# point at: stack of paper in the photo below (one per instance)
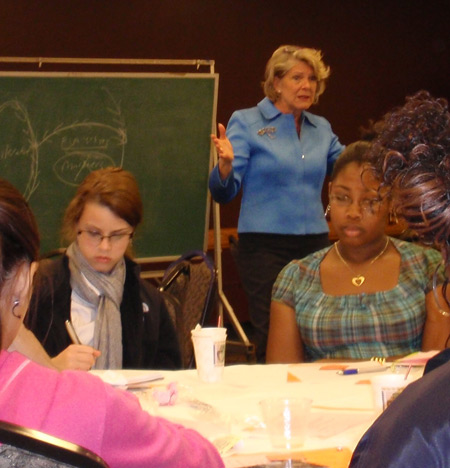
(420, 358)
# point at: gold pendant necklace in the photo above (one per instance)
(359, 279)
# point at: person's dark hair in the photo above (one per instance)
(356, 152)
(19, 236)
(412, 153)
(112, 187)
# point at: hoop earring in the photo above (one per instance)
(393, 217)
(327, 212)
(15, 304)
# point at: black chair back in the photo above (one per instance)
(190, 290)
(25, 447)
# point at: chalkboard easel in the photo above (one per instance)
(55, 127)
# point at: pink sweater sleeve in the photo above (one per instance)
(80, 408)
(133, 438)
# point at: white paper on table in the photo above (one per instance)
(324, 425)
(119, 379)
(327, 373)
(419, 358)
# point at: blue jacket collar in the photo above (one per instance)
(270, 111)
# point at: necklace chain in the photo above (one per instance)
(359, 279)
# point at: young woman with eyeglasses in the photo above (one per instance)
(121, 321)
(365, 296)
(75, 406)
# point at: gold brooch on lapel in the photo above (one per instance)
(269, 131)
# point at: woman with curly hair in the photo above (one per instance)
(335, 303)
(412, 152)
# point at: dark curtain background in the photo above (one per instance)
(379, 50)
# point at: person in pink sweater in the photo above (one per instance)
(74, 405)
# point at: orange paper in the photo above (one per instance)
(335, 367)
(363, 382)
(336, 457)
(292, 378)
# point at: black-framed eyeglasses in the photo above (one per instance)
(95, 238)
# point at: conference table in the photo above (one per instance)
(228, 413)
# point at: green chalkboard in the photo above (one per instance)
(57, 127)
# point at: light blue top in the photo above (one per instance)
(281, 174)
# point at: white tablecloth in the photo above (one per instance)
(342, 407)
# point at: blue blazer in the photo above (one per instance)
(281, 174)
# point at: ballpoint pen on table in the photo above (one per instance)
(72, 333)
(362, 370)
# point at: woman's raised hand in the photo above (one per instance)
(224, 150)
(76, 357)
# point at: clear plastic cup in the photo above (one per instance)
(286, 420)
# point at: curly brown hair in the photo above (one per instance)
(412, 154)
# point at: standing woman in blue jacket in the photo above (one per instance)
(280, 154)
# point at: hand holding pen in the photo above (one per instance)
(76, 356)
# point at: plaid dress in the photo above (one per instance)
(385, 323)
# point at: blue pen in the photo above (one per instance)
(362, 370)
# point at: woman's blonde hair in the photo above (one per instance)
(284, 58)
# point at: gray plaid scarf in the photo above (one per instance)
(108, 326)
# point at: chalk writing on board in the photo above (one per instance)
(56, 127)
(79, 147)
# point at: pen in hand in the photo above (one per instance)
(72, 333)
(362, 370)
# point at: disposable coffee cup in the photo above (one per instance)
(209, 350)
(385, 388)
(286, 421)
